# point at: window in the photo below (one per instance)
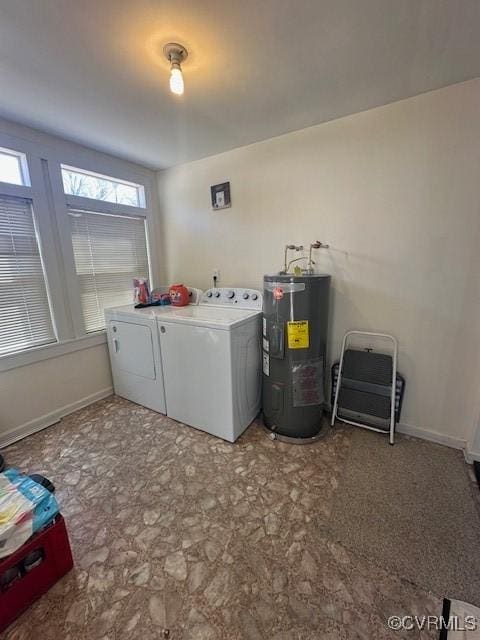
(109, 251)
(13, 167)
(25, 319)
(71, 241)
(77, 182)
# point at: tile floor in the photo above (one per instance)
(178, 534)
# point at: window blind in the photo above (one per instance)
(25, 318)
(109, 252)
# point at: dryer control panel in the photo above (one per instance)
(233, 297)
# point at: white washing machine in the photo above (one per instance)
(134, 348)
(211, 359)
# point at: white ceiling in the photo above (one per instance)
(92, 70)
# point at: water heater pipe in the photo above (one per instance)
(315, 245)
(290, 247)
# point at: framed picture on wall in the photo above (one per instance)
(221, 196)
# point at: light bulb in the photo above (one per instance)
(176, 80)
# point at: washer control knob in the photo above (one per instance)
(230, 294)
(254, 296)
(209, 294)
(245, 296)
(217, 294)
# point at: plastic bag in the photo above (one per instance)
(25, 507)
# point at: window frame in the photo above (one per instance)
(62, 208)
(37, 195)
(95, 174)
(44, 156)
(24, 171)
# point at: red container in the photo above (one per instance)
(179, 295)
(30, 585)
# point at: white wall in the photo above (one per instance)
(37, 395)
(395, 191)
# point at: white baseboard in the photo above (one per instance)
(26, 429)
(471, 455)
(427, 434)
(432, 436)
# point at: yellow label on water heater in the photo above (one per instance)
(298, 335)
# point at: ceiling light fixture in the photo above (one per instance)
(175, 54)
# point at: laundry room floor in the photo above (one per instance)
(178, 534)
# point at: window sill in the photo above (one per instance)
(45, 352)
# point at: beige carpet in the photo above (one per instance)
(411, 508)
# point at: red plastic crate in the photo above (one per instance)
(23, 591)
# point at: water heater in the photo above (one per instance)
(295, 321)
